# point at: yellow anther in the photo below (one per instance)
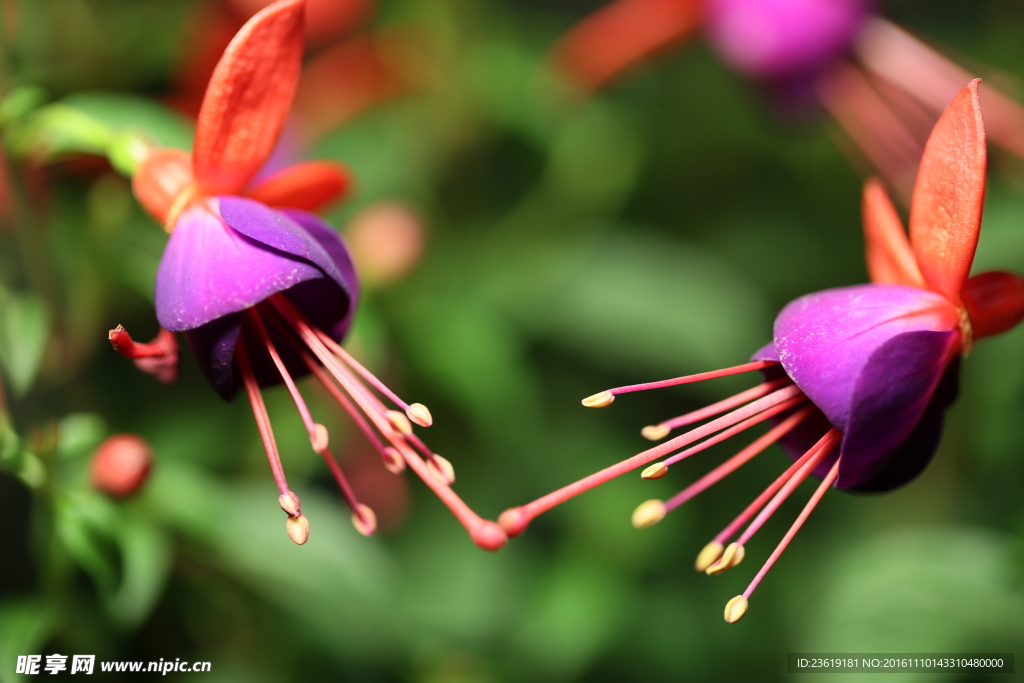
(393, 460)
(708, 555)
(399, 421)
(648, 513)
(298, 529)
(442, 469)
(319, 438)
(600, 400)
(735, 609)
(364, 520)
(732, 556)
(655, 432)
(420, 415)
(655, 471)
(289, 502)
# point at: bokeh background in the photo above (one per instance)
(548, 246)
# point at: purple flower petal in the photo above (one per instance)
(278, 230)
(824, 339)
(911, 457)
(890, 395)
(335, 247)
(782, 38)
(210, 270)
(213, 346)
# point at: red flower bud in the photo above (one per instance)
(121, 465)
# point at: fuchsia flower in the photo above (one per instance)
(262, 289)
(883, 86)
(857, 379)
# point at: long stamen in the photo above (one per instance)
(515, 520)
(766, 495)
(317, 432)
(417, 412)
(259, 410)
(660, 430)
(392, 460)
(650, 512)
(363, 517)
(297, 525)
(606, 397)
(736, 429)
(737, 607)
(782, 488)
(438, 465)
(738, 460)
(789, 487)
(484, 533)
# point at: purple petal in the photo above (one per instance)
(230, 254)
(776, 39)
(766, 352)
(891, 394)
(824, 339)
(911, 457)
(210, 270)
(278, 230)
(335, 247)
(213, 346)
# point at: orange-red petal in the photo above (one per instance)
(620, 35)
(889, 256)
(945, 213)
(163, 177)
(310, 186)
(248, 98)
(994, 301)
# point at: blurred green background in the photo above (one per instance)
(572, 244)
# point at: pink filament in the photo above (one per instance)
(726, 404)
(758, 503)
(700, 377)
(804, 514)
(529, 511)
(738, 460)
(345, 356)
(259, 410)
(736, 429)
(300, 404)
(485, 533)
(820, 450)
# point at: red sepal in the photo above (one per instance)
(994, 301)
(310, 185)
(889, 256)
(248, 99)
(945, 212)
(163, 177)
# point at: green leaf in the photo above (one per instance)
(942, 589)
(145, 565)
(85, 522)
(123, 113)
(24, 328)
(25, 625)
(80, 433)
(657, 305)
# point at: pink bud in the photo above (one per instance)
(120, 465)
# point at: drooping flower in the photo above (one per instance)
(883, 86)
(263, 289)
(856, 379)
